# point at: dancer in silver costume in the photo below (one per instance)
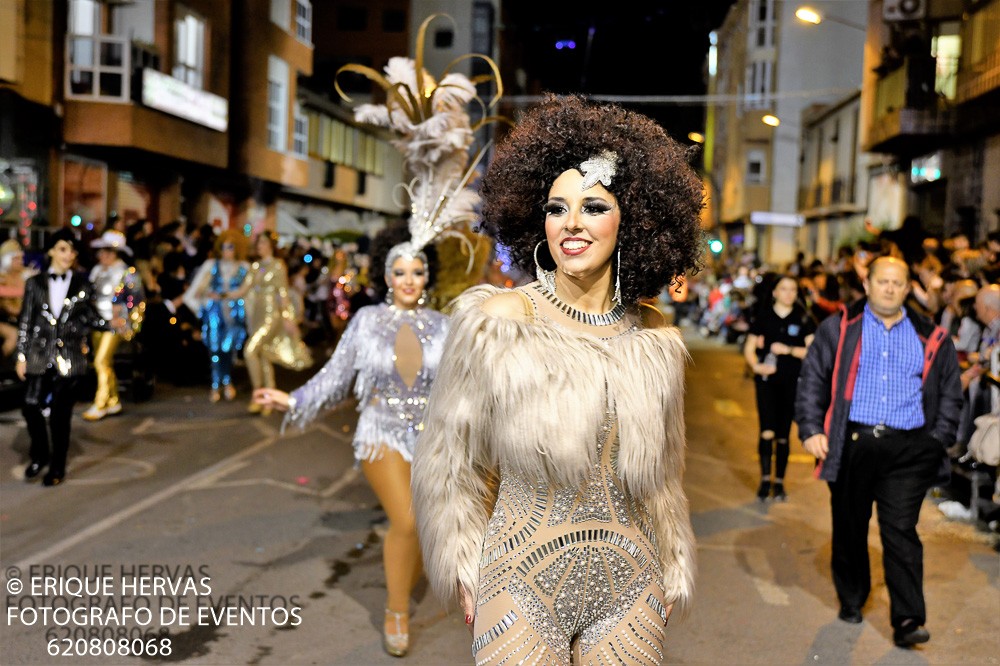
(394, 349)
(390, 354)
(570, 392)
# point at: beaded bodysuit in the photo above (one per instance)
(570, 573)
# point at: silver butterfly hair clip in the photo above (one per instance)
(600, 168)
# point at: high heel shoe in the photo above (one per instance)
(229, 391)
(214, 396)
(396, 644)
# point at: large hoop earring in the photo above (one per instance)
(546, 278)
(388, 296)
(617, 298)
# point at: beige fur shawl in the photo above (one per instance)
(532, 396)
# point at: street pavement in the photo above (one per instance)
(283, 527)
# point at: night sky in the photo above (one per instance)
(638, 48)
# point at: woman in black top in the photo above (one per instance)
(776, 343)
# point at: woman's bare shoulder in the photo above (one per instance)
(507, 305)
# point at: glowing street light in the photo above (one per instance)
(771, 120)
(697, 137)
(808, 15)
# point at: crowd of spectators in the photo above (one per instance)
(953, 282)
(328, 280)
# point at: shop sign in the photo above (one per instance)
(777, 219)
(173, 96)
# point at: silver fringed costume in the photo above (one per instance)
(391, 411)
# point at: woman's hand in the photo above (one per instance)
(273, 398)
(468, 606)
(764, 370)
(291, 328)
(780, 348)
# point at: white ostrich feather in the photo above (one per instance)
(435, 148)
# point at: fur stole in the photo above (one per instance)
(531, 397)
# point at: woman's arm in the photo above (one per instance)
(750, 356)
(450, 494)
(244, 287)
(333, 382)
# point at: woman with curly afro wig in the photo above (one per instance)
(570, 393)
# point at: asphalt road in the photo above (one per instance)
(284, 532)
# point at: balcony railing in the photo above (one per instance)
(828, 197)
(98, 68)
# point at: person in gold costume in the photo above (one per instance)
(119, 297)
(271, 323)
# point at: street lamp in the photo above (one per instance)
(771, 120)
(812, 16)
(697, 137)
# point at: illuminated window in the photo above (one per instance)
(277, 103)
(303, 21)
(189, 48)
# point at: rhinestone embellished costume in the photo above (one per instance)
(587, 541)
(392, 410)
(565, 564)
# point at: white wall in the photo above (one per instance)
(820, 57)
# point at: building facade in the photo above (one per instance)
(769, 68)
(932, 107)
(833, 178)
(172, 110)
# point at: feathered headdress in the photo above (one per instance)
(434, 133)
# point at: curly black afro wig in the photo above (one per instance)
(659, 194)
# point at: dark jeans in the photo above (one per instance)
(776, 403)
(58, 393)
(895, 471)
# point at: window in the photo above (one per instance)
(300, 132)
(762, 23)
(84, 15)
(352, 19)
(946, 47)
(755, 167)
(277, 103)
(303, 21)
(98, 64)
(443, 39)
(281, 11)
(189, 48)
(758, 84)
(393, 20)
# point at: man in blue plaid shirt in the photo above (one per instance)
(878, 401)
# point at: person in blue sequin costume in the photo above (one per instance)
(216, 293)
